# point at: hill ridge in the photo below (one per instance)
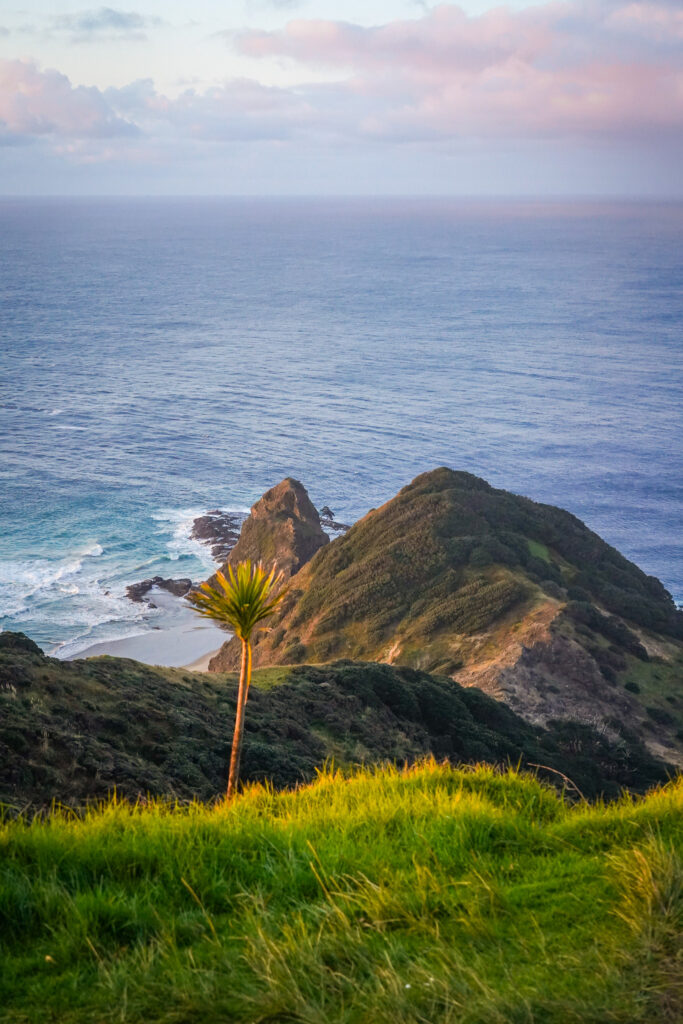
(452, 575)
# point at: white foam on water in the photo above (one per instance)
(68, 595)
(94, 615)
(333, 532)
(21, 580)
(179, 523)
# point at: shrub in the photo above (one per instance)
(660, 715)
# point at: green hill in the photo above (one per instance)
(518, 598)
(428, 896)
(70, 731)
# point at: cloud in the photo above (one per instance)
(239, 110)
(591, 71)
(45, 103)
(103, 23)
(586, 69)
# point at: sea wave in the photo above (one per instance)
(24, 582)
(179, 523)
(65, 649)
(21, 579)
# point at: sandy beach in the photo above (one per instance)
(184, 641)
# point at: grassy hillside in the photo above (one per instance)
(456, 577)
(452, 552)
(430, 895)
(70, 731)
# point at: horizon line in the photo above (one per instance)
(461, 196)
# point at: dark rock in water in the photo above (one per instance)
(328, 522)
(331, 524)
(219, 530)
(138, 591)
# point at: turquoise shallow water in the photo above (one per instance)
(159, 358)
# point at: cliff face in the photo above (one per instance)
(283, 528)
(517, 598)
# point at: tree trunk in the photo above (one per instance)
(243, 692)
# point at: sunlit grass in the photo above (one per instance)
(426, 895)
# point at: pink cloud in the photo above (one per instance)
(583, 70)
(38, 103)
(650, 20)
(35, 102)
(442, 39)
(561, 69)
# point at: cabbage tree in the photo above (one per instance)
(246, 596)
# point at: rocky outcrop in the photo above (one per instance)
(138, 591)
(282, 529)
(219, 531)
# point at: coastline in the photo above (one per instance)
(168, 648)
(188, 641)
(202, 664)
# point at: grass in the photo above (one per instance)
(429, 895)
(539, 550)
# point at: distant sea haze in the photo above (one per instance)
(159, 358)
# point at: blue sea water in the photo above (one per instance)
(159, 358)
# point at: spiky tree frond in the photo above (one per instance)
(247, 596)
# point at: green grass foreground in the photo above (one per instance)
(426, 895)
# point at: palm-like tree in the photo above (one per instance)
(247, 596)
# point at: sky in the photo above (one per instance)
(280, 97)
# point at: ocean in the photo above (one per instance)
(163, 357)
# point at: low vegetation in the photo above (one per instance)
(73, 731)
(431, 894)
